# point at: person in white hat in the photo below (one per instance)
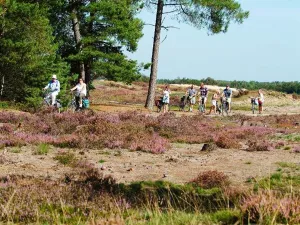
(54, 87)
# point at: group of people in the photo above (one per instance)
(53, 87)
(202, 95)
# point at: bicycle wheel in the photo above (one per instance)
(187, 107)
(159, 106)
(72, 106)
(224, 108)
(201, 108)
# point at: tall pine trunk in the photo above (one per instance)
(77, 34)
(155, 52)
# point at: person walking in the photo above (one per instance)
(227, 93)
(214, 99)
(261, 100)
(166, 99)
(54, 88)
(203, 93)
(191, 97)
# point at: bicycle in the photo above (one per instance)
(47, 101)
(224, 106)
(218, 107)
(159, 104)
(201, 107)
(183, 102)
(188, 104)
(74, 105)
(254, 103)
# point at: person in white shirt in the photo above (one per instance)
(261, 100)
(54, 87)
(80, 92)
(166, 99)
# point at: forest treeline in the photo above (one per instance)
(286, 87)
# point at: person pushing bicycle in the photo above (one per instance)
(227, 93)
(54, 87)
(191, 97)
(203, 93)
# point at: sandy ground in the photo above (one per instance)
(180, 164)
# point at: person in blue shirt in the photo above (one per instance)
(54, 88)
(191, 96)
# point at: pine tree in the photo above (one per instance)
(27, 52)
(94, 34)
(213, 15)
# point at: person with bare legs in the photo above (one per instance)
(191, 97)
(214, 99)
(80, 93)
(260, 101)
(203, 93)
(227, 93)
(54, 87)
(166, 99)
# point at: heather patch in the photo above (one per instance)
(211, 179)
(135, 131)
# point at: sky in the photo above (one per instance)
(266, 47)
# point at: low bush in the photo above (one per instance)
(260, 146)
(42, 149)
(65, 158)
(211, 179)
(131, 130)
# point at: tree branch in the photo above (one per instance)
(171, 11)
(164, 27)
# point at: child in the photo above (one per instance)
(260, 101)
(166, 99)
(214, 99)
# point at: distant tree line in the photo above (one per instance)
(287, 87)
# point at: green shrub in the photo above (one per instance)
(226, 216)
(65, 158)
(42, 149)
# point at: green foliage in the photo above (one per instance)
(4, 105)
(65, 158)
(15, 150)
(280, 181)
(42, 149)
(213, 15)
(27, 53)
(287, 87)
(107, 28)
(226, 216)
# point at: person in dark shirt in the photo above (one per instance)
(203, 93)
(227, 93)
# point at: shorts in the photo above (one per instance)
(205, 99)
(229, 100)
(260, 103)
(192, 100)
(214, 102)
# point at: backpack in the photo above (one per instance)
(85, 103)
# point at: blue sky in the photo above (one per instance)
(266, 47)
